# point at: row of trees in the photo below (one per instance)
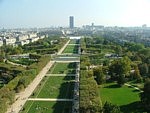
(89, 91)
(89, 94)
(145, 96)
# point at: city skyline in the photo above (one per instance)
(48, 13)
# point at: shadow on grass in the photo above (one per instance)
(75, 50)
(62, 107)
(134, 107)
(65, 92)
(136, 90)
(113, 86)
(71, 65)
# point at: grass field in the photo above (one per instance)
(125, 97)
(47, 107)
(63, 68)
(71, 49)
(74, 41)
(55, 87)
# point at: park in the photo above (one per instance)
(55, 92)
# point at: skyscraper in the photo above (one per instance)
(71, 22)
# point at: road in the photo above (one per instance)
(22, 97)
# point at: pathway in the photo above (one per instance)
(49, 99)
(71, 61)
(133, 87)
(61, 75)
(63, 48)
(15, 64)
(74, 44)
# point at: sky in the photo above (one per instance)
(54, 13)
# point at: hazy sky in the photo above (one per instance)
(46, 13)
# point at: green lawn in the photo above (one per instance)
(47, 107)
(55, 87)
(125, 97)
(71, 49)
(63, 68)
(74, 41)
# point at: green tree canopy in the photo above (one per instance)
(145, 96)
(98, 75)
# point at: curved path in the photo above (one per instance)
(133, 87)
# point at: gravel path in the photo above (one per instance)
(133, 87)
(71, 61)
(49, 99)
(63, 75)
(22, 97)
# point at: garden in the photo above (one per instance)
(63, 68)
(55, 87)
(71, 49)
(74, 41)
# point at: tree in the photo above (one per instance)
(110, 108)
(98, 75)
(136, 57)
(143, 69)
(145, 96)
(17, 50)
(137, 75)
(120, 67)
(90, 73)
(2, 54)
(145, 51)
(118, 50)
(136, 47)
(121, 80)
(34, 56)
(1, 58)
(106, 62)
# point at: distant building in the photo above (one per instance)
(22, 37)
(41, 37)
(71, 22)
(22, 42)
(34, 39)
(1, 42)
(10, 41)
(144, 25)
(32, 35)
